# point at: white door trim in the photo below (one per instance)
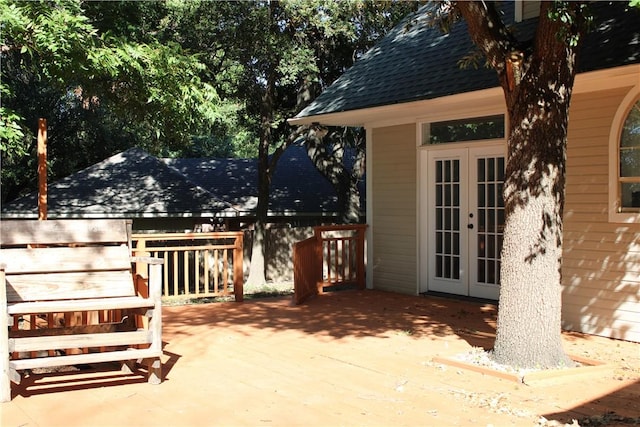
(425, 236)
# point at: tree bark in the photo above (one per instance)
(257, 275)
(537, 86)
(328, 156)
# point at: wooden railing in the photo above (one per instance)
(333, 257)
(196, 265)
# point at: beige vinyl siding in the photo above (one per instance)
(601, 260)
(530, 9)
(394, 209)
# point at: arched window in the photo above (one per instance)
(624, 185)
(629, 161)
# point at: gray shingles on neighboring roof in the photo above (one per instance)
(135, 184)
(296, 186)
(417, 62)
(129, 184)
(231, 180)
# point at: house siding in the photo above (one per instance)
(530, 9)
(393, 218)
(601, 272)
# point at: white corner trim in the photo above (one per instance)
(518, 10)
(369, 203)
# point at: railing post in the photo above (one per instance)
(5, 383)
(238, 270)
(360, 258)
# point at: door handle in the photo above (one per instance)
(470, 226)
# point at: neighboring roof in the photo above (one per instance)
(417, 62)
(131, 184)
(232, 180)
(296, 187)
(135, 184)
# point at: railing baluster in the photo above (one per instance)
(185, 272)
(205, 248)
(225, 271)
(196, 267)
(207, 270)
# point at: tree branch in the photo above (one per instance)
(488, 31)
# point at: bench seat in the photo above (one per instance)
(71, 293)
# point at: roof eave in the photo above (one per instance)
(420, 110)
(403, 112)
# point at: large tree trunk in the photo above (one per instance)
(537, 86)
(257, 270)
(529, 322)
(257, 276)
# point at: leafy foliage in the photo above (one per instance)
(101, 89)
(177, 78)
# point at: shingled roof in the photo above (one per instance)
(296, 186)
(135, 184)
(131, 184)
(417, 62)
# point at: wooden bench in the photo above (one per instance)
(73, 283)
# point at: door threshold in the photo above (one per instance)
(459, 297)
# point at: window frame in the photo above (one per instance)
(425, 129)
(616, 215)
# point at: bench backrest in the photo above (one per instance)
(66, 259)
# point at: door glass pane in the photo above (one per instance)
(456, 220)
(490, 218)
(447, 215)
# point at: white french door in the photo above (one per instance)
(464, 212)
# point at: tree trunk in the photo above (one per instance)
(537, 84)
(257, 276)
(538, 100)
(529, 321)
(257, 266)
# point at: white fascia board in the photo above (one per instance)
(468, 104)
(463, 105)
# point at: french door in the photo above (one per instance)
(465, 220)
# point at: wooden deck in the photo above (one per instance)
(341, 359)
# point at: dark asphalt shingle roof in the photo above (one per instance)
(296, 185)
(136, 184)
(129, 184)
(416, 62)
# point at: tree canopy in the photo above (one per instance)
(104, 80)
(177, 78)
